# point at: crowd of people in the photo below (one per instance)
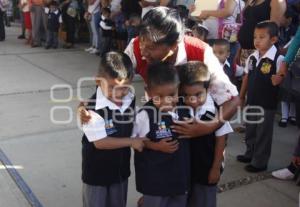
(248, 46)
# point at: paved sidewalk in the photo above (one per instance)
(48, 156)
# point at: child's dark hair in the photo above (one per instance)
(194, 72)
(53, 3)
(272, 27)
(161, 73)
(222, 42)
(201, 30)
(116, 65)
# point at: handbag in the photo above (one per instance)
(229, 31)
(291, 82)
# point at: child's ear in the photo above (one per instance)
(274, 40)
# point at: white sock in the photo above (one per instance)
(284, 110)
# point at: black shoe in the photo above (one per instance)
(292, 121)
(282, 123)
(47, 47)
(243, 159)
(252, 169)
(20, 37)
(1, 40)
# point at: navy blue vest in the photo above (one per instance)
(106, 167)
(158, 173)
(53, 21)
(261, 92)
(202, 154)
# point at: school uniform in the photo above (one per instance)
(54, 20)
(106, 26)
(162, 178)
(105, 172)
(261, 93)
(202, 193)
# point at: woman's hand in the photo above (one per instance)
(204, 15)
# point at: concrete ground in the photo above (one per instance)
(47, 156)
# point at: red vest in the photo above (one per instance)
(194, 50)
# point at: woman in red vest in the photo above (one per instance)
(162, 39)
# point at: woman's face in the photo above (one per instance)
(155, 52)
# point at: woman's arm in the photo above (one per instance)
(278, 8)
(220, 13)
(293, 48)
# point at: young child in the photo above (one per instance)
(206, 151)
(162, 169)
(132, 26)
(261, 68)
(106, 25)
(54, 21)
(106, 143)
(221, 49)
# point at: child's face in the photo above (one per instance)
(53, 8)
(194, 95)
(165, 97)
(114, 89)
(221, 52)
(262, 40)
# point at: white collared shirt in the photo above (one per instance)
(270, 54)
(102, 101)
(95, 129)
(209, 106)
(221, 89)
(226, 64)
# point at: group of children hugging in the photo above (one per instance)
(172, 170)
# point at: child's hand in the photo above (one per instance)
(138, 144)
(167, 145)
(277, 79)
(214, 175)
(83, 113)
